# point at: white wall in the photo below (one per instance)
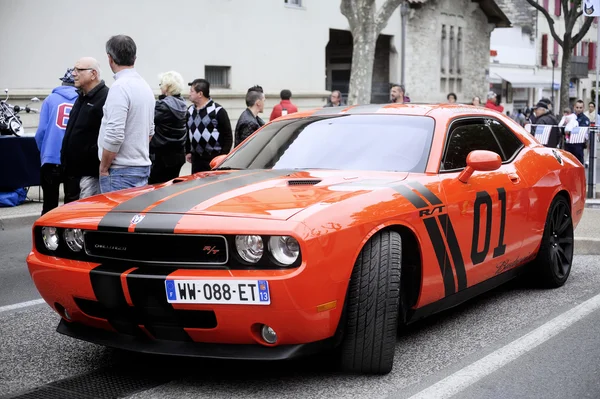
(265, 42)
(513, 46)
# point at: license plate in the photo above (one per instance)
(235, 292)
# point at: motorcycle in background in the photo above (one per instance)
(10, 122)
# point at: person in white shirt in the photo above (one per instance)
(128, 121)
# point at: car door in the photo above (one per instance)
(487, 215)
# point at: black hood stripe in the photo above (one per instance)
(183, 203)
(119, 219)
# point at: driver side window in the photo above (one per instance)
(466, 137)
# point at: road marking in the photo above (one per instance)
(21, 305)
(472, 373)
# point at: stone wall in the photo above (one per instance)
(424, 51)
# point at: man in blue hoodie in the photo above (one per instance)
(54, 116)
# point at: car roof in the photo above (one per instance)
(425, 109)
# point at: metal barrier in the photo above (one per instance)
(555, 137)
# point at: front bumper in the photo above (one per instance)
(192, 349)
(127, 308)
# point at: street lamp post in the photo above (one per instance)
(553, 60)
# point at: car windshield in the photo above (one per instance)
(346, 142)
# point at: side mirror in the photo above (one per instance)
(216, 161)
(481, 160)
(35, 100)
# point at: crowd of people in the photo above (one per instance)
(95, 139)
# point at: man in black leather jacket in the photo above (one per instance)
(167, 147)
(249, 121)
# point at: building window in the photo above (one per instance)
(218, 76)
(459, 52)
(293, 3)
(443, 58)
(452, 50)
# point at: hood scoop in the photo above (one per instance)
(304, 182)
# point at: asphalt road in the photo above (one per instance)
(33, 354)
(15, 283)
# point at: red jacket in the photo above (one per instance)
(492, 105)
(287, 104)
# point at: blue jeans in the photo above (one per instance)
(122, 178)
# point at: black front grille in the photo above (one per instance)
(157, 248)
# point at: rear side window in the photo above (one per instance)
(478, 134)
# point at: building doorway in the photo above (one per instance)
(338, 64)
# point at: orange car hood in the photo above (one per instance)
(276, 195)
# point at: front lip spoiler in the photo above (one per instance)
(191, 349)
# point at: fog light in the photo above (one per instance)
(268, 334)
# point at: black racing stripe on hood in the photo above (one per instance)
(106, 283)
(149, 296)
(119, 220)
(184, 202)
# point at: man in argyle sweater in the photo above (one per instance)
(209, 128)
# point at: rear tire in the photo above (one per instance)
(552, 265)
(373, 304)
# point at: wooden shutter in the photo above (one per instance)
(544, 50)
(546, 5)
(591, 55)
(557, 8)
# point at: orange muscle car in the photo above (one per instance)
(323, 231)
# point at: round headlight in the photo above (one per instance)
(15, 125)
(50, 237)
(285, 249)
(250, 248)
(74, 239)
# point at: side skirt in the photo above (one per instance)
(464, 295)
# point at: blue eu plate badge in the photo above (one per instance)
(263, 290)
(170, 284)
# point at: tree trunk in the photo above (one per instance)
(363, 55)
(565, 75)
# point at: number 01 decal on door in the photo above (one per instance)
(483, 198)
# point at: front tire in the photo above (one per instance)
(552, 266)
(372, 306)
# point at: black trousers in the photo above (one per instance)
(51, 177)
(165, 166)
(577, 150)
(199, 164)
(72, 189)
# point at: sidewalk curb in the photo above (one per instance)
(18, 221)
(587, 246)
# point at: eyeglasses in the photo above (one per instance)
(82, 69)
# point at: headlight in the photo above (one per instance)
(15, 125)
(50, 236)
(74, 239)
(285, 249)
(250, 248)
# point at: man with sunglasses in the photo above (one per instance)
(79, 154)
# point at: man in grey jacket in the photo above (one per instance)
(128, 121)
